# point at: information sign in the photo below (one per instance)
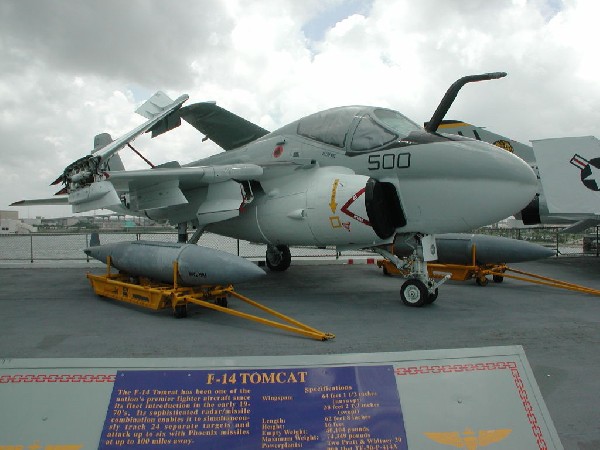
(300, 408)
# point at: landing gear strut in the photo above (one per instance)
(419, 289)
(278, 257)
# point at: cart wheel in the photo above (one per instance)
(222, 301)
(498, 278)
(481, 281)
(180, 311)
(432, 297)
(385, 271)
(414, 293)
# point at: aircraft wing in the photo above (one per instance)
(186, 177)
(158, 188)
(160, 112)
(226, 129)
(164, 187)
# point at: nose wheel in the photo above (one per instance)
(415, 292)
(419, 290)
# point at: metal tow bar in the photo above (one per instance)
(545, 281)
(294, 327)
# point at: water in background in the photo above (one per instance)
(69, 246)
(50, 246)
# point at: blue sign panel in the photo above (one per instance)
(332, 408)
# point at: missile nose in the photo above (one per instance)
(246, 271)
(541, 252)
(197, 263)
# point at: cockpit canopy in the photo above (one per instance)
(357, 129)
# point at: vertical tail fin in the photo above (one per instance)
(570, 174)
(114, 163)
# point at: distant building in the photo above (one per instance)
(14, 215)
(10, 224)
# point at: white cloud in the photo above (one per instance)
(75, 69)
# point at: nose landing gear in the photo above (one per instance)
(419, 289)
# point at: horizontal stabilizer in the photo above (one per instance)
(43, 201)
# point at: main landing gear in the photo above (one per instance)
(419, 289)
(278, 257)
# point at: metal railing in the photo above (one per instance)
(586, 243)
(69, 246)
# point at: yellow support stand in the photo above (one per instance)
(148, 294)
(459, 272)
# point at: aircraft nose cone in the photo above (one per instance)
(517, 170)
(521, 181)
(466, 185)
(506, 182)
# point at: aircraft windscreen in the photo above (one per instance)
(329, 126)
(396, 122)
(370, 135)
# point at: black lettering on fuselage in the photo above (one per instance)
(389, 161)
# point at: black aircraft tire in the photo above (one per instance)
(279, 261)
(498, 278)
(414, 293)
(432, 297)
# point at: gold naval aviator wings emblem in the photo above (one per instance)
(468, 439)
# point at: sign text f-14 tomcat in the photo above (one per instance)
(353, 177)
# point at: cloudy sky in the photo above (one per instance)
(71, 69)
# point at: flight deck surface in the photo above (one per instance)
(53, 313)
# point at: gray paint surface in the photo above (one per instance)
(53, 313)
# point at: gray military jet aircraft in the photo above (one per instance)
(352, 177)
